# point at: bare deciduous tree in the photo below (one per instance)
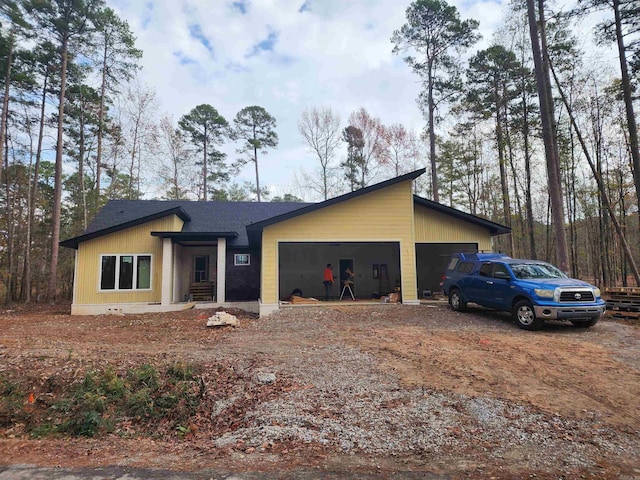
(320, 128)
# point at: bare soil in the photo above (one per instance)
(379, 391)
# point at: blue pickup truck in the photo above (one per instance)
(533, 291)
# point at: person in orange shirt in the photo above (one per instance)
(328, 281)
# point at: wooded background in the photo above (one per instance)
(537, 132)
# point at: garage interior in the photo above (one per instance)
(376, 267)
(431, 261)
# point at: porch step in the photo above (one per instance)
(201, 291)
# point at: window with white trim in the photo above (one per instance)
(240, 259)
(125, 272)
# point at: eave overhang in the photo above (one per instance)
(75, 241)
(194, 236)
(494, 228)
(254, 230)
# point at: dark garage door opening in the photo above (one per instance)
(301, 266)
(432, 259)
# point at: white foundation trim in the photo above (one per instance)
(411, 302)
(267, 309)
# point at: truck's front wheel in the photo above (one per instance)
(456, 300)
(525, 316)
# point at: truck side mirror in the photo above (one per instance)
(502, 275)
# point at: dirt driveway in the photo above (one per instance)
(385, 391)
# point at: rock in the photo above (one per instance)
(265, 378)
(221, 319)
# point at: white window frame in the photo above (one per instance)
(134, 280)
(238, 264)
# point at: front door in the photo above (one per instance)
(201, 268)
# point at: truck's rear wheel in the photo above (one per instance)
(585, 323)
(456, 301)
(525, 316)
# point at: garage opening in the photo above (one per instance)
(375, 267)
(431, 261)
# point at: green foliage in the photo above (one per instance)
(207, 128)
(97, 403)
(432, 34)
(113, 385)
(145, 376)
(180, 371)
(354, 162)
(433, 31)
(256, 128)
(117, 53)
(140, 403)
(287, 197)
(492, 79)
(11, 400)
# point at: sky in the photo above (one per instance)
(285, 56)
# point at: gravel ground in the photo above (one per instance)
(381, 391)
(348, 402)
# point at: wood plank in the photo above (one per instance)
(622, 290)
(621, 314)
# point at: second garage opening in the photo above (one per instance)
(431, 261)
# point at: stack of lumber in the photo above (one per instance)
(622, 302)
(302, 300)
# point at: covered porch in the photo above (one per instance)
(193, 267)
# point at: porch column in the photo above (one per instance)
(167, 271)
(75, 277)
(221, 270)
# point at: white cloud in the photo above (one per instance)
(333, 53)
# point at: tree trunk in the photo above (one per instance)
(103, 89)
(506, 201)
(432, 135)
(628, 101)
(81, 153)
(623, 224)
(26, 279)
(134, 152)
(255, 161)
(549, 134)
(516, 193)
(5, 102)
(57, 192)
(601, 187)
(9, 252)
(204, 165)
(527, 168)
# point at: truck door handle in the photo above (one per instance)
(489, 282)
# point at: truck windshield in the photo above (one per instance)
(536, 270)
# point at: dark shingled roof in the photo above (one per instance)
(239, 222)
(218, 219)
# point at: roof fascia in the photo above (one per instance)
(494, 228)
(75, 241)
(332, 201)
(194, 235)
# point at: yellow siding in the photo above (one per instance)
(435, 227)
(133, 240)
(383, 215)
